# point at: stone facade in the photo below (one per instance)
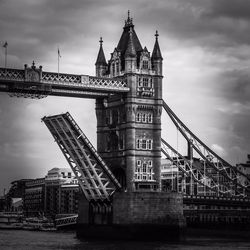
(129, 126)
(129, 141)
(147, 208)
(133, 215)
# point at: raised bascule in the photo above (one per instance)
(121, 179)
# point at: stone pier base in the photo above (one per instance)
(134, 215)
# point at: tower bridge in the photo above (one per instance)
(121, 179)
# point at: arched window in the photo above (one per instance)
(150, 118)
(145, 82)
(113, 68)
(138, 143)
(139, 82)
(149, 144)
(117, 67)
(138, 117)
(143, 144)
(145, 64)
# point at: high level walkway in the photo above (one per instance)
(32, 82)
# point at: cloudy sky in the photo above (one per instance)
(206, 50)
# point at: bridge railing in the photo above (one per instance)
(66, 221)
(217, 198)
(12, 74)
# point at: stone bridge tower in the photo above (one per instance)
(129, 125)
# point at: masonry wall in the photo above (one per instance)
(157, 208)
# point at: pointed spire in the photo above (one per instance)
(130, 51)
(101, 60)
(156, 51)
(129, 21)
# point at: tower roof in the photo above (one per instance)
(125, 37)
(101, 60)
(156, 51)
(130, 51)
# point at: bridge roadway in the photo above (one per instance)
(32, 82)
(213, 201)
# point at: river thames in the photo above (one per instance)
(34, 240)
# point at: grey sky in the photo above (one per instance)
(206, 50)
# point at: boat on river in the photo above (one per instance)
(11, 220)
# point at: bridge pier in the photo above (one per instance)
(134, 215)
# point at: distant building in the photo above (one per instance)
(56, 193)
(61, 192)
(69, 198)
(34, 201)
(16, 205)
(17, 190)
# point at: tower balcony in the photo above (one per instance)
(145, 91)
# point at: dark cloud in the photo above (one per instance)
(239, 9)
(233, 86)
(203, 23)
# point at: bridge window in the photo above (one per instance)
(145, 64)
(150, 118)
(138, 117)
(138, 144)
(117, 68)
(144, 117)
(144, 170)
(140, 82)
(144, 144)
(149, 144)
(113, 69)
(145, 82)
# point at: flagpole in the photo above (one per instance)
(58, 55)
(6, 52)
(6, 56)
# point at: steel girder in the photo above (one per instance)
(189, 169)
(229, 173)
(66, 221)
(95, 179)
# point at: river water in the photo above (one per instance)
(33, 240)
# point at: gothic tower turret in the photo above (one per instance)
(101, 64)
(157, 57)
(130, 54)
(129, 125)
